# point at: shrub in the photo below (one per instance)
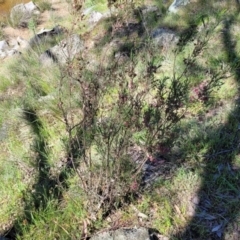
(124, 113)
(118, 116)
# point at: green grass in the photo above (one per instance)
(10, 197)
(43, 5)
(55, 221)
(98, 6)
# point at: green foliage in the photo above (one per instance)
(43, 5)
(32, 26)
(55, 220)
(16, 20)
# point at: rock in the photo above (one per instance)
(18, 44)
(126, 234)
(3, 45)
(3, 54)
(95, 17)
(22, 14)
(87, 11)
(164, 37)
(12, 52)
(177, 4)
(45, 35)
(12, 46)
(150, 9)
(65, 51)
(22, 43)
(6, 50)
(142, 215)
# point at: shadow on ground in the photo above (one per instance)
(46, 187)
(218, 212)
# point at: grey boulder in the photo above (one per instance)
(164, 38)
(22, 14)
(18, 44)
(45, 35)
(140, 233)
(4, 49)
(11, 47)
(65, 51)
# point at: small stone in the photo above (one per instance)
(95, 17)
(195, 200)
(164, 37)
(142, 215)
(176, 5)
(124, 234)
